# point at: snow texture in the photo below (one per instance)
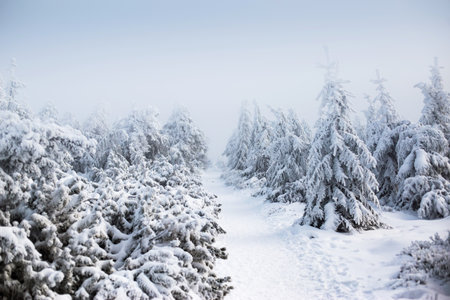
(271, 257)
(107, 212)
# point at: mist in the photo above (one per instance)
(210, 56)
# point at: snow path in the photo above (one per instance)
(268, 258)
(259, 262)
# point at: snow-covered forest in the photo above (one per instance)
(94, 210)
(106, 212)
(344, 171)
(346, 175)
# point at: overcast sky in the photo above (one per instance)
(211, 55)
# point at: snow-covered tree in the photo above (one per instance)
(10, 101)
(386, 113)
(49, 113)
(23, 274)
(436, 110)
(138, 137)
(144, 229)
(371, 129)
(383, 128)
(387, 162)
(258, 157)
(423, 177)
(2, 95)
(381, 114)
(341, 187)
(187, 143)
(39, 186)
(238, 147)
(96, 125)
(285, 176)
(70, 120)
(413, 166)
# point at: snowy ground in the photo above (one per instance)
(269, 258)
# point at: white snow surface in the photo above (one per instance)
(271, 257)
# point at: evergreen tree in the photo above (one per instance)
(341, 186)
(423, 178)
(96, 127)
(259, 155)
(145, 228)
(384, 129)
(285, 176)
(387, 162)
(436, 110)
(2, 95)
(381, 114)
(49, 113)
(187, 143)
(138, 137)
(238, 146)
(413, 167)
(371, 128)
(10, 102)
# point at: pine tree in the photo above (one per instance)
(385, 127)
(371, 129)
(341, 186)
(187, 143)
(387, 162)
(49, 113)
(423, 178)
(285, 176)
(436, 110)
(238, 147)
(381, 114)
(11, 102)
(259, 157)
(96, 127)
(138, 137)
(3, 102)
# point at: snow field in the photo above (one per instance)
(270, 258)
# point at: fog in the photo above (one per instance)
(209, 56)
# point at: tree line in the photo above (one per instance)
(345, 172)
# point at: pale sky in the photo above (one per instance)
(209, 56)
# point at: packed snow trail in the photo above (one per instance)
(259, 262)
(268, 258)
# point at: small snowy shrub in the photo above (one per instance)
(428, 259)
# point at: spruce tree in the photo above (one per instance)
(10, 101)
(285, 176)
(341, 186)
(258, 158)
(436, 111)
(381, 114)
(384, 128)
(387, 162)
(423, 178)
(238, 147)
(187, 142)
